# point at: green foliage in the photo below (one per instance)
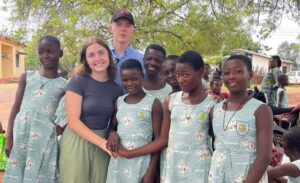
(209, 26)
(289, 51)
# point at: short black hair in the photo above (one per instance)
(157, 48)
(277, 59)
(282, 77)
(243, 58)
(172, 57)
(291, 138)
(193, 58)
(132, 64)
(52, 39)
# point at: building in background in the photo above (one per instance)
(12, 61)
(260, 62)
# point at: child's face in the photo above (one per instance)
(153, 60)
(236, 76)
(168, 71)
(216, 87)
(122, 30)
(188, 78)
(97, 57)
(132, 80)
(49, 54)
(286, 81)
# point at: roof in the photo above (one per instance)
(8, 40)
(258, 54)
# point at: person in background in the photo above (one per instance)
(205, 78)
(270, 82)
(282, 97)
(291, 146)
(122, 28)
(215, 90)
(168, 72)
(89, 102)
(32, 145)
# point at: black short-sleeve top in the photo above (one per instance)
(98, 100)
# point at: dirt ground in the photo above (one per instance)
(7, 95)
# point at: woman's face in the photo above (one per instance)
(97, 57)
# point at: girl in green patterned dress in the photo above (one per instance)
(31, 138)
(138, 118)
(242, 128)
(185, 126)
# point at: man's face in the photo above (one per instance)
(122, 30)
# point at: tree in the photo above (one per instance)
(208, 26)
(289, 51)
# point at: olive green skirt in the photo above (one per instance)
(80, 161)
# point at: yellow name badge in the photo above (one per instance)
(202, 116)
(242, 128)
(141, 115)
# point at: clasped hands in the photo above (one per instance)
(114, 147)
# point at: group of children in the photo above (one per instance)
(166, 124)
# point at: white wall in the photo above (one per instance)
(260, 64)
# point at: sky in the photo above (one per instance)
(287, 31)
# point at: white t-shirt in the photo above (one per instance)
(285, 101)
(295, 179)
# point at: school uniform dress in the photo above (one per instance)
(235, 143)
(285, 101)
(161, 93)
(34, 154)
(270, 85)
(135, 130)
(188, 154)
(295, 179)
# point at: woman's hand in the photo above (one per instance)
(113, 141)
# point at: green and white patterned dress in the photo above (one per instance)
(188, 154)
(161, 93)
(135, 130)
(34, 155)
(235, 143)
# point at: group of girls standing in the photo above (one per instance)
(153, 122)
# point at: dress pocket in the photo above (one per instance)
(242, 127)
(202, 117)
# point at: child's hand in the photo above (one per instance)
(113, 141)
(59, 130)
(148, 178)
(8, 146)
(124, 153)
